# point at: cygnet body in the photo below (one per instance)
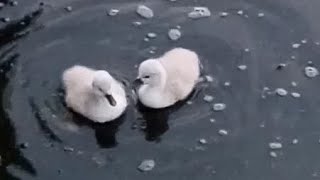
(94, 93)
(168, 79)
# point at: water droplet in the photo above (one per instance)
(24, 145)
(281, 92)
(174, 34)
(273, 154)
(275, 145)
(145, 11)
(242, 67)
(209, 78)
(137, 23)
(208, 98)
(240, 12)
(281, 66)
(304, 41)
(152, 52)
(113, 12)
(203, 141)
(199, 12)
(295, 141)
(295, 95)
(224, 14)
(296, 45)
(6, 19)
(294, 84)
(223, 132)
(69, 8)
(143, 126)
(14, 3)
(219, 107)
(227, 84)
(311, 72)
(68, 149)
(147, 165)
(260, 15)
(151, 35)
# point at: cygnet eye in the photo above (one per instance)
(146, 77)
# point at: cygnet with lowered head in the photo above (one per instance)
(94, 93)
(168, 79)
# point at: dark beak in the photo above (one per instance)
(136, 83)
(111, 100)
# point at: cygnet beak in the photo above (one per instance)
(137, 82)
(111, 100)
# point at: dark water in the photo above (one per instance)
(64, 145)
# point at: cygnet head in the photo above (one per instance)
(151, 72)
(101, 85)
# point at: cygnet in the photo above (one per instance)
(94, 93)
(168, 79)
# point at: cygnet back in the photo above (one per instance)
(183, 71)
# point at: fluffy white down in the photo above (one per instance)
(177, 80)
(81, 97)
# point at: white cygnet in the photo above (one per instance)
(94, 93)
(168, 79)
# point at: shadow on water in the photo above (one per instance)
(105, 133)
(9, 150)
(156, 120)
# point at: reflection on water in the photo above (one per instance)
(156, 120)
(9, 150)
(105, 133)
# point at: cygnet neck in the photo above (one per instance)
(160, 82)
(102, 86)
